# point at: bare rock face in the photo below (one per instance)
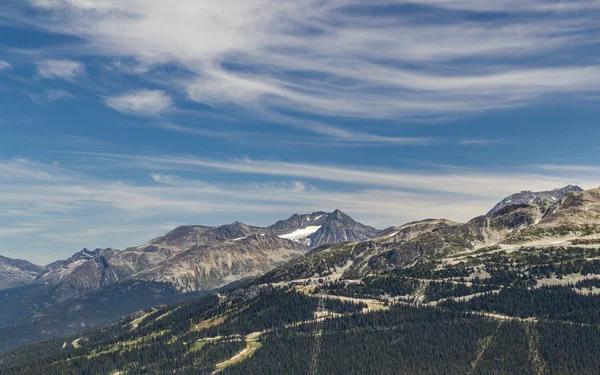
(297, 221)
(339, 227)
(210, 266)
(413, 230)
(248, 251)
(85, 271)
(184, 237)
(400, 246)
(16, 272)
(579, 207)
(538, 197)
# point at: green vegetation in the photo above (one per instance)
(510, 324)
(372, 287)
(533, 233)
(445, 289)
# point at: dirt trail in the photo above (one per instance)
(372, 304)
(252, 345)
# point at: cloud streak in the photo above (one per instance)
(345, 57)
(60, 204)
(141, 102)
(4, 65)
(60, 69)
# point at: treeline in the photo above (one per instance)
(372, 287)
(556, 303)
(445, 289)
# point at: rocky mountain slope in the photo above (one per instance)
(545, 221)
(187, 259)
(338, 227)
(210, 266)
(533, 310)
(15, 272)
(537, 197)
(89, 270)
(184, 237)
(429, 262)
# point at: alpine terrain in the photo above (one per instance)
(15, 272)
(511, 292)
(89, 288)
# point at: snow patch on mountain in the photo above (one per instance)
(301, 233)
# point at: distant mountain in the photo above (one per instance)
(191, 258)
(296, 222)
(484, 285)
(572, 218)
(404, 245)
(89, 270)
(184, 237)
(339, 227)
(15, 272)
(412, 230)
(210, 266)
(535, 197)
(315, 229)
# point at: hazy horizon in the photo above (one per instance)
(122, 119)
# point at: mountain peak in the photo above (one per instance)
(15, 272)
(339, 227)
(535, 197)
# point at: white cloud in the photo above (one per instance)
(57, 94)
(69, 208)
(444, 181)
(17, 231)
(4, 65)
(63, 69)
(330, 57)
(569, 168)
(480, 142)
(142, 102)
(165, 179)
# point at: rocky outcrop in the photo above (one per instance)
(535, 197)
(210, 266)
(16, 272)
(339, 227)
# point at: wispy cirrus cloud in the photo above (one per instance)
(378, 59)
(481, 142)
(141, 102)
(68, 207)
(60, 69)
(4, 65)
(443, 181)
(569, 168)
(54, 95)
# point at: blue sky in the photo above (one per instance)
(121, 119)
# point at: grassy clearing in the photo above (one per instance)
(252, 345)
(136, 323)
(207, 323)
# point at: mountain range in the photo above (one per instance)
(184, 261)
(512, 246)
(516, 290)
(574, 217)
(535, 197)
(15, 272)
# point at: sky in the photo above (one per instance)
(121, 119)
